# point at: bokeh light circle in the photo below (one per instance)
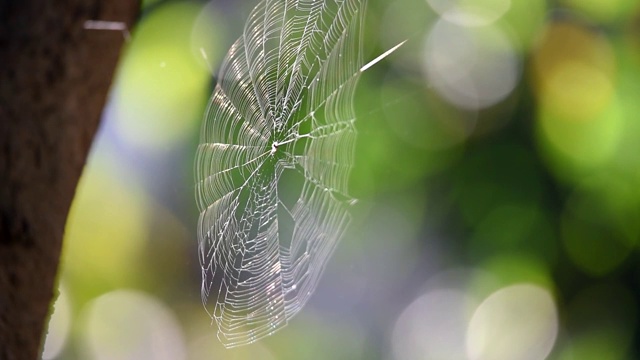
(433, 326)
(515, 322)
(126, 324)
(472, 68)
(580, 120)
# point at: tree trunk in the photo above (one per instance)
(54, 79)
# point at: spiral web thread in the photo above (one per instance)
(276, 150)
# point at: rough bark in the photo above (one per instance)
(54, 79)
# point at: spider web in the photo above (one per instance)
(276, 150)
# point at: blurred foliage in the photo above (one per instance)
(477, 196)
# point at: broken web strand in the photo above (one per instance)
(260, 277)
(312, 112)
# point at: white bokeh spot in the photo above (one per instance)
(516, 322)
(472, 68)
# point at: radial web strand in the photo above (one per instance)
(276, 150)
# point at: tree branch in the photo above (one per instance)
(54, 79)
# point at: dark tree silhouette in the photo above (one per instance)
(54, 79)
